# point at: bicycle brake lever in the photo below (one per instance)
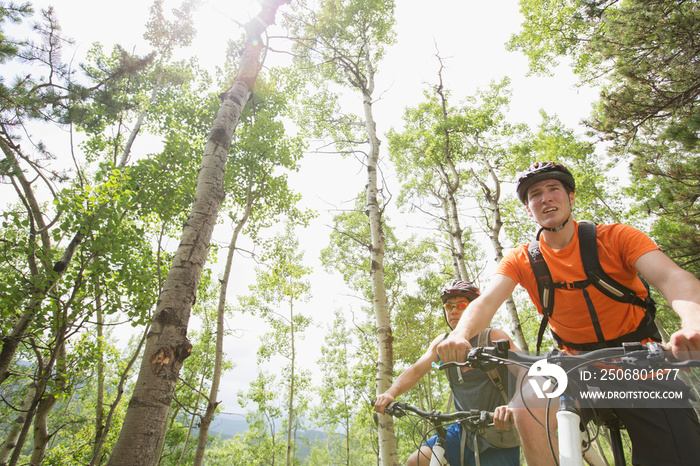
(394, 409)
(485, 417)
(476, 357)
(656, 351)
(446, 365)
(501, 348)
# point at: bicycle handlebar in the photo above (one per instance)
(651, 354)
(474, 416)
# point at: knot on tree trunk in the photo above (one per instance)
(375, 266)
(183, 351)
(167, 356)
(168, 316)
(385, 331)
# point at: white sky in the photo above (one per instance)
(469, 35)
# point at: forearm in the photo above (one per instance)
(483, 309)
(682, 291)
(684, 298)
(680, 288)
(403, 383)
(475, 321)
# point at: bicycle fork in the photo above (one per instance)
(569, 433)
(571, 439)
(438, 450)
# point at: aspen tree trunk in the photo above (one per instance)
(454, 228)
(456, 231)
(290, 405)
(41, 430)
(451, 239)
(46, 367)
(11, 341)
(99, 402)
(493, 196)
(385, 364)
(167, 346)
(451, 181)
(11, 438)
(48, 400)
(219, 356)
(52, 367)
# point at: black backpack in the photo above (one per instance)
(596, 276)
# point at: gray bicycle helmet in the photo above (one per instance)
(539, 171)
(459, 288)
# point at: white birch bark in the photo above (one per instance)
(13, 434)
(290, 401)
(451, 181)
(385, 364)
(451, 238)
(454, 226)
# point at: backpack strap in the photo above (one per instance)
(495, 437)
(545, 287)
(602, 281)
(463, 447)
(485, 340)
(588, 247)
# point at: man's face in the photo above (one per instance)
(549, 203)
(453, 311)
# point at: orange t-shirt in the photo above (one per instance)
(619, 247)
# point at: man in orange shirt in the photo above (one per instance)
(583, 316)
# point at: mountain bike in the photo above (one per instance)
(651, 359)
(475, 420)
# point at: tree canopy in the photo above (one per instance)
(153, 273)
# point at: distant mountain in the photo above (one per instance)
(227, 426)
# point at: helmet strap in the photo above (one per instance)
(555, 229)
(444, 314)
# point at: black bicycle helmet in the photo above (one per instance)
(459, 288)
(539, 171)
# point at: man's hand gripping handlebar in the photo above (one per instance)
(482, 358)
(453, 349)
